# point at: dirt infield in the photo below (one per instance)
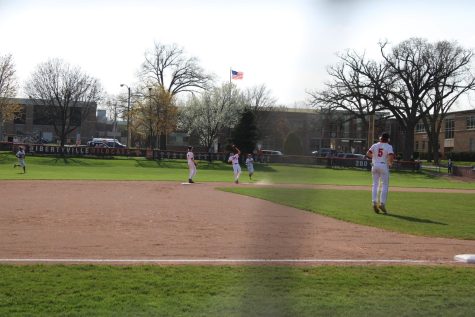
(169, 221)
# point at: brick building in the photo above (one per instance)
(33, 124)
(457, 134)
(338, 130)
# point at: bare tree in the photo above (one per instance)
(8, 88)
(116, 108)
(66, 95)
(412, 81)
(168, 67)
(207, 114)
(352, 88)
(259, 98)
(452, 64)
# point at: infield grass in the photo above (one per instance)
(236, 291)
(176, 170)
(427, 214)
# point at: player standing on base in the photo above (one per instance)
(382, 156)
(235, 161)
(21, 159)
(190, 157)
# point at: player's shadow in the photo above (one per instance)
(414, 219)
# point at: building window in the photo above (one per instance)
(471, 122)
(471, 145)
(449, 128)
(359, 128)
(420, 127)
(417, 145)
(42, 115)
(20, 117)
(423, 145)
(75, 116)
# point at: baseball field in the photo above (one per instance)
(129, 237)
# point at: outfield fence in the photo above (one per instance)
(156, 154)
(464, 171)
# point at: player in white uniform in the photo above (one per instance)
(235, 161)
(250, 165)
(191, 164)
(21, 159)
(382, 156)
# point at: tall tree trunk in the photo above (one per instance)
(430, 151)
(408, 150)
(1, 129)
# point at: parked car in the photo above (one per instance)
(351, 155)
(326, 152)
(103, 142)
(360, 156)
(271, 152)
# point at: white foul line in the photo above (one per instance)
(186, 261)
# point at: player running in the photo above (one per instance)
(250, 165)
(21, 159)
(382, 156)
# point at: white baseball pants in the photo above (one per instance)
(192, 170)
(380, 174)
(237, 171)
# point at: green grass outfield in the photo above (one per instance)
(176, 170)
(427, 214)
(236, 291)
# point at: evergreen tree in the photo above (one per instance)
(245, 133)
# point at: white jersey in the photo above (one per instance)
(249, 162)
(20, 154)
(234, 158)
(190, 157)
(380, 152)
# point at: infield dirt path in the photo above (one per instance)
(169, 220)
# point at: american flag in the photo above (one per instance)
(236, 75)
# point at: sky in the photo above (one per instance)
(287, 45)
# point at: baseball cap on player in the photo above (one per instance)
(385, 136)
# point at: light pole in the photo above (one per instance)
(128, 114)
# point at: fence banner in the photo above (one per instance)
(330, 162)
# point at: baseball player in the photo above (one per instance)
(191, 164)
(234, 158)
(21, 159)
(250, 165)
(382, 156)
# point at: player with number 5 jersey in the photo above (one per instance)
(382, 156)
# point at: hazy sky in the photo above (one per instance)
(286, 45)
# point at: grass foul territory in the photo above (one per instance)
(236, 291)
